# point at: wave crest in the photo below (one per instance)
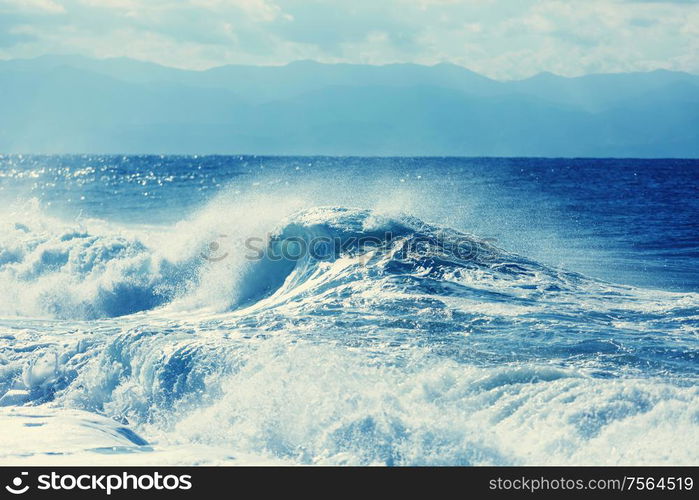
(91, 270)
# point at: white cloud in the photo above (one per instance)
(42, 6)
(500, 38)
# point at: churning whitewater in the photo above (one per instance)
(279, 328)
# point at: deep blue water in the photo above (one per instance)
(627, 220)
(566, 333)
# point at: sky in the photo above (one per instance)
(504, 39)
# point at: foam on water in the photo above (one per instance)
(329, 405)
(398, 342)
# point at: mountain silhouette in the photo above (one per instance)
(74, 104)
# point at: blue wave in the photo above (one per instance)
(70, 272)
(374, 339)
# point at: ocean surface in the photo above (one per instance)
(312, 310)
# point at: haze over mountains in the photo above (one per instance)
(72, 104)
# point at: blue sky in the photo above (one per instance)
(500, 38)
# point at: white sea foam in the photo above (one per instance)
(394, 354)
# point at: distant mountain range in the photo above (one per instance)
(72, 104)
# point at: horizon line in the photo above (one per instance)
(335, 156)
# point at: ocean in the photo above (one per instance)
(322, 310)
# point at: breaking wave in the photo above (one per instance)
(373, 339)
